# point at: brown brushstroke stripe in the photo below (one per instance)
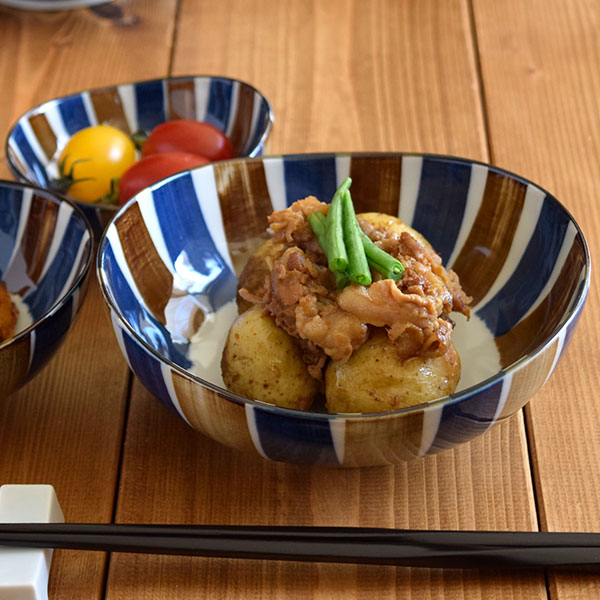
(109, 109)
(244, 198)
(240, 128)
(528, 334)
(528, 380)
(181, 100)
(152, 278)
(14, 366)
(380, 441)
(486, 248)
(37, 239)
(44, 134)
(212, 415)
(376, 184)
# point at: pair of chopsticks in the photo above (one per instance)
(411, 548)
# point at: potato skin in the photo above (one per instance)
(262, 362)
(375, 380)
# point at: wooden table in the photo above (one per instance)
(510, 82)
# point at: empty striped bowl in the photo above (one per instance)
(45, 256)
(177, 247)
(38, 136)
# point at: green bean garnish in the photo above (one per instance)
(380, 260)
(349, 251)
(336, 250)
(318, 223)
(358, 267)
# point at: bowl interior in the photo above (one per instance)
(235, 107)
(169, 259)
(45, 248)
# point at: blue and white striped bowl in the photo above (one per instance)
(179, 245)
(46, 250)
(38, 136)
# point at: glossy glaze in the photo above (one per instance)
(516, 249)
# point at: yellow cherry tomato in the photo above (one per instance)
(92, 158)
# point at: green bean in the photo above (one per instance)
(358, 267)
(336, 250)
(318, 224)
(381, 261)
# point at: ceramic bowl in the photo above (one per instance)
(50, 5)
(46, 250)
(180, 244)
(37, 138)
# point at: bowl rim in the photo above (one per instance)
(448, 400)
(40, 108)
(58, 303)
(53, 5)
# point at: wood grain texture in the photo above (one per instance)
(347, 75)
(66, 427)
(195, 480)
(342, 75)
(541, 72)
(49, 54)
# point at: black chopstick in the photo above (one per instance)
(414, 548)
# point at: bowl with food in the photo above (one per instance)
(46, 250)
(344, 309)
(100, 146)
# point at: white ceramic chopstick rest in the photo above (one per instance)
(24, 572)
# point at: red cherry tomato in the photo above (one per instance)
(184, 135)
(153, 168)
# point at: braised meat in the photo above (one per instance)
(299, 291)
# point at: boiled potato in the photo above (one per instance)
(262, 362)
(375, 380)
(258, 267)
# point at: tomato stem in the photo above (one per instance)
(139, 137)
(67, 179)
(113, 195)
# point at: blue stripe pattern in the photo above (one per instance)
(140, 319)
(309, 177)
(73, 113)
(462, 421)
(292, 436)
(49, 336)
(178, 210)
(52, 315)
(37, 171)
(442, 198)
(219, 103)
(57, 275)
(10, 210)
(529, 278)
(150, 103)
(147, 369)
(295, 440)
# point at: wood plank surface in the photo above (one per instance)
(541, 73)
(66, 427)
(342, 75)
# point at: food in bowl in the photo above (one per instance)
(8, 314)
(98, 164)
(91, 161)
(231, 106)
(15, 315)
(352, 307)
(517, 251)
(45, 254)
